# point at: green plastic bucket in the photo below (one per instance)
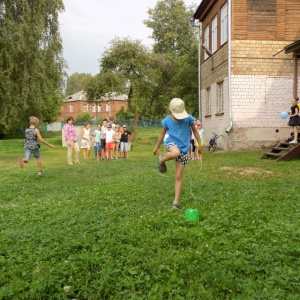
(192, 214)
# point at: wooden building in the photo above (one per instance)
(247, 78)
(105, 107)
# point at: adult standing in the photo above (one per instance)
(70, 137)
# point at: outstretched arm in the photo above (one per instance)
(38, 134)
(159, 140)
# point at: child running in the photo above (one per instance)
(32, 135)
(178, 125)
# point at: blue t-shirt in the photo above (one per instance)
(179, 131)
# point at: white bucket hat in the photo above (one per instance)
(177, 108)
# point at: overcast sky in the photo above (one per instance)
(88, 26)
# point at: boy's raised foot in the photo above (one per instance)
(161, 167)
(40, 174)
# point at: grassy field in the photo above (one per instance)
(105, 230)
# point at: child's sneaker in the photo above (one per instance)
(21, 163)
(40, 173)
(294, 142)
(161, 167)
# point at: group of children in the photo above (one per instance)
(109, 140)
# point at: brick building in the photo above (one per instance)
(105, 107)
(247, 78)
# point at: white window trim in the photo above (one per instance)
(220, 97)
(224, 24)
(206, 40)
(208, 101)
(85, 107)
(71, 108)
(214, 36)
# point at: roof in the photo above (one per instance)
(81, 96)
(203, 8)
(76, 97)
(293, 47)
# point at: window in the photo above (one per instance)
(208, 102)
(85, 107)
(71, 108)
(224, 24)
(99, 107)
(93, 108)
(214, 32)
(107, 107)
(206, 40)
(220, 92)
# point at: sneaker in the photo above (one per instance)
(21, 163)
(293, 142)
(40, 173)
(161, 167)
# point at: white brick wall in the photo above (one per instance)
(257, 100)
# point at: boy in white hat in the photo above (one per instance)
(178, 125)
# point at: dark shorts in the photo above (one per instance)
(182, 158)
(103, 143)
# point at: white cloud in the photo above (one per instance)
(88, 26)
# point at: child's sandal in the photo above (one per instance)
(175, 206)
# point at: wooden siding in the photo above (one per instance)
(215, 70)
(266, 20)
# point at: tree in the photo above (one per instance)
(175, 37)
(128, 67)
(77, 82)
(31, 62)
(172, 29)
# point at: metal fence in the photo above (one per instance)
(143, 123)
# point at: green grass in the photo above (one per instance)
(105, 230)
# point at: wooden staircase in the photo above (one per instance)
(283, 151)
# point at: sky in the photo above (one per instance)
(87, 27)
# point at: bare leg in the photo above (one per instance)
(173, 153)
(296, 133)
(39, 163)
(178, 182)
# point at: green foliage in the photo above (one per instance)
(77, 82)
(175, 38)
(105, 230)
(84, 116)
(31, 62)
(171, 24)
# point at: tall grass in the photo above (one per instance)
(104, 230)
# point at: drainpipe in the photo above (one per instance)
(229, 67)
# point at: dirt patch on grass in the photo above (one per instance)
(246, 171)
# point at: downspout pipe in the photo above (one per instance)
(229, 68)
(199, 70)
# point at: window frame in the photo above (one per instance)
(208, 102)
(206, 40)
(214, 34)
(224, 24)
(220, 97)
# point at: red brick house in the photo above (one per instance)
(107, 106)
(247, 78)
